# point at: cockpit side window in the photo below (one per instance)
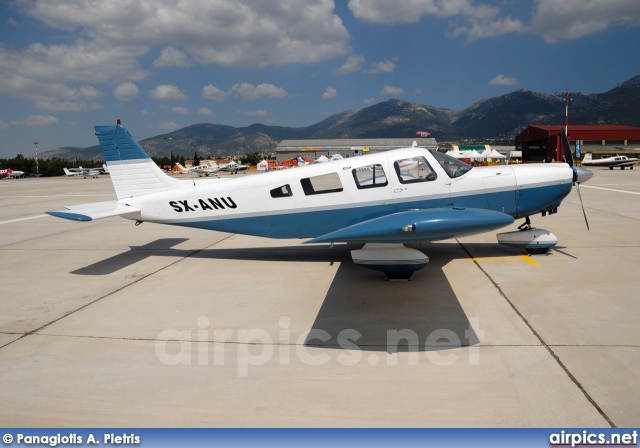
(452, 166)
(414, 169)
(370, 176)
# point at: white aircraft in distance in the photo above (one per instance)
(84, 172)
(201, 170)
(611, 162)
(233, 167)
(105, 169)
(365, 199)
(9, 173)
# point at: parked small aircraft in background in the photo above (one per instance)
(200, 170)
(9, 173)
(233, 167)
(205, 169)
(611, 162)
(84, 172)
(383, 200)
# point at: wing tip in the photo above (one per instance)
(71, 216)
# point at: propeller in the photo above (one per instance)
(579, 174)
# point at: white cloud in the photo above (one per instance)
(557, 20)
(383, 67)
(554, 20)
(116, 36)
(241, 33)
(69, 106)
(3, 125)
(43, 73)
(411, 11)
(168, 92)
(167, 125)
(249, 92)
(211, 92)
(391, 91)
(126, 91)
(37, 120)
(329, 93)
(180, 110)
(255, 113)
(172, 57)
(353, 63)
(205, 111)
(501, 80)
(369, 101)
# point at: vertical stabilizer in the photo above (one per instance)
(132, 171)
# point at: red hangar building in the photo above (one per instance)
(539, 141)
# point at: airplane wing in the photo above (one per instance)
(420, 225)
(95, 210)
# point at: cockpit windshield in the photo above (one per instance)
(452, 166)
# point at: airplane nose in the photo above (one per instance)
(581, 175)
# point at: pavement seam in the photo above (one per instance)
(542, 341)
(36, 330)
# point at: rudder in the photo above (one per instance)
(132, 171)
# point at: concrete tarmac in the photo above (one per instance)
(105, 324)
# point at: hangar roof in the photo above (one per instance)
(580, 132)
(357, 142)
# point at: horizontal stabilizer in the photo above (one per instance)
(95, 210)
(420, 225)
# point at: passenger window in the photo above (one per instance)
(370, 176)
(415, 169)
(281, 192)
(326, 183)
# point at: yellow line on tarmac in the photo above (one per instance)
(520, 258)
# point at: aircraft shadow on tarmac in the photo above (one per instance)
(360, 310)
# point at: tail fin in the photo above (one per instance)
(587, 157)
(132, 171)
(67, 172)
(181, 169)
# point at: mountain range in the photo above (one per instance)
(498, 119)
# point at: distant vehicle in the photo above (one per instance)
(84, 172)
(234, 167)
(423, 134)
(9, 173)
(611, 162)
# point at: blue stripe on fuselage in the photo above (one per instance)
(309, 224)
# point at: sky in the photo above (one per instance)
(161, 65)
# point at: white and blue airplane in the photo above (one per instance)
(383, 200)
(84, 172)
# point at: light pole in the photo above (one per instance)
(37, 170)
(566, 94)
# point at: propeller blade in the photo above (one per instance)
(583, 212)
(567, 148)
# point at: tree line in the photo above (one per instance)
(54, 166)
(45, 167)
